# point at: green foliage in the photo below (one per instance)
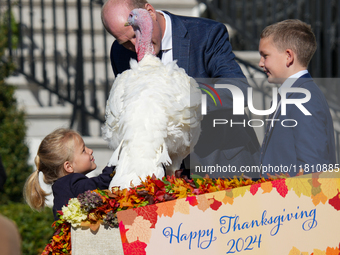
(13, 149)
(7, 18)
(34, 227)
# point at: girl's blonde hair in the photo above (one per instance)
(54, 150)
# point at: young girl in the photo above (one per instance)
(64, 160)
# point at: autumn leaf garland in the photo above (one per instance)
(101, 205)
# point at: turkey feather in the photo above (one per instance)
(153, 117)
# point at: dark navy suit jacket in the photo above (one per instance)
(71, 185)
(310, 143)
(202, 48)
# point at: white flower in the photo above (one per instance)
(73, 213)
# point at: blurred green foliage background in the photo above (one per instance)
(34, 227)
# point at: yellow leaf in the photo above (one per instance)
(219, 196)
(319, 252)
(266, 187)
(329, 186)
(182, 192)
(294, 251)
(240, 191)
(209, 195)
(320, 197)
(182, 206)
(229, 193)
(329, 175)
(300, 185)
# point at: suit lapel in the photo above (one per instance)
(304, 78)
(180, 42)
(269, 131)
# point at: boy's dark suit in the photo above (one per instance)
(308, 145)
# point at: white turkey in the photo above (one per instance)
(152, 114)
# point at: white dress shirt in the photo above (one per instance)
(166, 45)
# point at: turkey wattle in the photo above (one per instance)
(153, 113)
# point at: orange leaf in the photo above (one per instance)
(229, 200)
(126, 204)
(94, 227)
(266, 187)
(320, 197)
(85, 224)
(166, 209)
(332, 251)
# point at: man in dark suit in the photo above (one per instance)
(302, 138)
(202, 48)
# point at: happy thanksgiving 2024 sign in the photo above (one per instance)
(294, 215)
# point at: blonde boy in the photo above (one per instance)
(295, 141)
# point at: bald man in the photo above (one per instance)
(202, 48)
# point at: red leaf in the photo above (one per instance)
(335, 202)
(159, 184)
(254, 188)
(280, 186)
(112, 202)
(192, 200)
(149, 213)
(159, 196)
(123, 232)
(215, 205)
(134, 248)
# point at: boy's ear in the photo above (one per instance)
(290, 57)
(68, 167)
